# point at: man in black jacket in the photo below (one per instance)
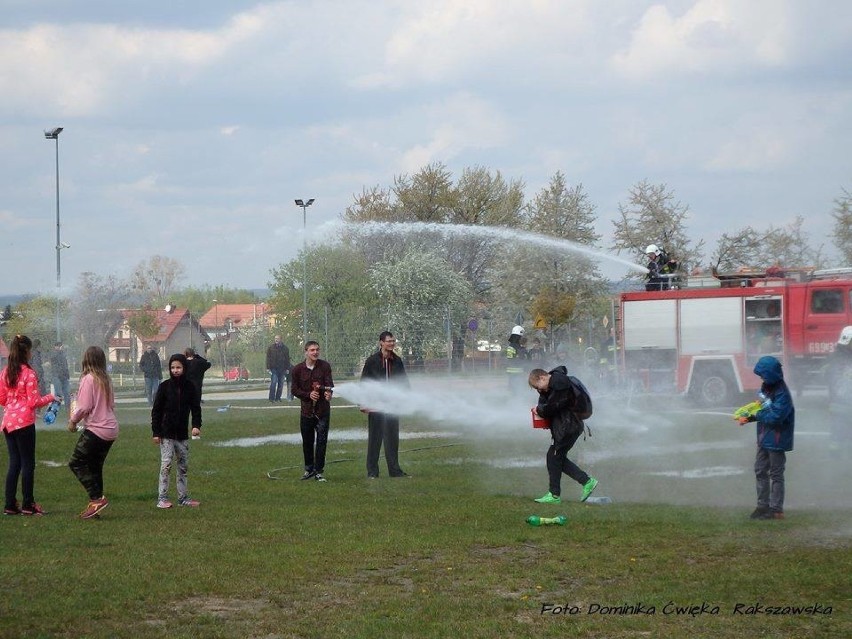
(557, 402)
(383, 428)
(152, 369)
(278, 365)
(196, 366)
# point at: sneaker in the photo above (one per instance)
(164, 503)
(32, 509)
(759, 513)
(191, 503)
(95, 506)
(401, 474)
(308, 474)
(776, 514)
(549, 498)
(319, 477)
(14, 509)
(589, 488)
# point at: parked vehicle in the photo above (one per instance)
(704, 339)
(236, 373)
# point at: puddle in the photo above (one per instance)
(701, 473)
(349, 435)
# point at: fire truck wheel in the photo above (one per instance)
(712, 388)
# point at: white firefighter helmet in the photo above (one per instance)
(518, 330)
(653, 248)
(845, 336)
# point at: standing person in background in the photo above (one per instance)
(152, 369)
(20, 397)
(174, 403)
(383, 428)
(196, 367)
(516, 359)
(59, 372)
(278, 365)
(37, 364)
(312, 384)
(96, 407)
(536, 353)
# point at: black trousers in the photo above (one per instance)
(558, 463)
(21, 444)
(314, 441)
(383, 428)
(87, 463)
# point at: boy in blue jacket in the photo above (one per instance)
(775, 423)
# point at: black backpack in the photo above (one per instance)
(582, 400)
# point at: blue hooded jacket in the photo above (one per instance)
(776, 420)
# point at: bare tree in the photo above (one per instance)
(654, 216)
(843, 226)
(787, 246)
(156, 278)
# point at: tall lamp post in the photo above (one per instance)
(304, 206)
(53, 134)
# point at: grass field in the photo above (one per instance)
(445, 553)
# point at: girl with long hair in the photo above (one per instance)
(96, 408)
(20, 396)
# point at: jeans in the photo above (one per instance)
(769, 470)
(277, 384)
(383, 429)
(151, 385)
(87, 463)
(169, 449)
(558, 463)
(314, 429)
(21, 444)
(62, 387)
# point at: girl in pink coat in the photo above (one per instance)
(20, 396)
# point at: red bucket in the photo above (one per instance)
(539, 422)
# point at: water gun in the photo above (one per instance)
(535, 520)
(50, 415)
(744, 413)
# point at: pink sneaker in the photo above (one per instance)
(32, 509)
(164, 503)
(189, 502)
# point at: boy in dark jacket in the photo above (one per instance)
(775, 424)
(557, 402)
(176, 399)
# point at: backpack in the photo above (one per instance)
(582, 400)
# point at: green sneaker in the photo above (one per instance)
(549, 498)
(589, 488)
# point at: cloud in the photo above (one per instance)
(711, 36)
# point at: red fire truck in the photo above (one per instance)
(703, 337)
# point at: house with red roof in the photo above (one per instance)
(223, 319)
(177, 329)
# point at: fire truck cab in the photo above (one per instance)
(703, 339)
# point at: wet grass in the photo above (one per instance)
(444, 553)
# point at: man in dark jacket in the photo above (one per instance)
(383, 428)
(278, 365)
(776, 422)
(152, 369)
(312, 384)
(196, 367)
(557, 402)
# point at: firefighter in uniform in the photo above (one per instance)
(516, 357)
(660, 268)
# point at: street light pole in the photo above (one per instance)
(304, 206)
(53, 134)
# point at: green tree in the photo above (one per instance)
(36, 318)
(420, 291)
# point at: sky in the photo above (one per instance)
(190, 127)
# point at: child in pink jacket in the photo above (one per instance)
(20, 396)
(96, 407)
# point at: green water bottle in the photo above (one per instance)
(535, 520)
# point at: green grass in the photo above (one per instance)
(445, 553)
